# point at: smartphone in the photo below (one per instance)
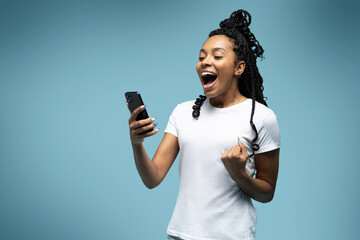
(134, 100)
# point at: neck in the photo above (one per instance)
(227, 99)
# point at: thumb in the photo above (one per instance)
(239, 144)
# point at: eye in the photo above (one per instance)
(218, 57)
(201, 58)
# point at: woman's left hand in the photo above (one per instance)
(235, 160)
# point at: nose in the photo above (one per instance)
(206, 62)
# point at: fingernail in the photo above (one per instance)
(144, 106)
(156, 130)
(153, 119)
(155, 124)
(238, 139)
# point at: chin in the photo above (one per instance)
(212, 93)
(209, 94)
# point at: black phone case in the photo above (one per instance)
(134, 100)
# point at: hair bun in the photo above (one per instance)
(240, 19)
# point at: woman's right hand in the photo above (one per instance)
(138, 128)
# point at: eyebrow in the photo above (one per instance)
(214, 49)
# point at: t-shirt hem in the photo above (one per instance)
(185, 236)
(268, 148)
(171, 132)
(189, 237)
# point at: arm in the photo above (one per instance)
(262, 187)
(152, 172)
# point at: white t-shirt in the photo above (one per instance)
(210, 205)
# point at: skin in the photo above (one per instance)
(218, 57)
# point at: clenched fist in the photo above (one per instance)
(235, 159)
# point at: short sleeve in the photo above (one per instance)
(171, 125)
(269, 134)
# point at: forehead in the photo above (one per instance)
(218, 41)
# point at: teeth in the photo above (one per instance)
(207, 73)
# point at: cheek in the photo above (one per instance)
(198, 65)
(226, 70)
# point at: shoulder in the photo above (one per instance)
(264, 114)
(182, 109)
(185, 106)
(266, 121)
(181, 114)
(187, 103)
(267, 127)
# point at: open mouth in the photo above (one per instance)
(208, 79)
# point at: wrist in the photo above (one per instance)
(136, 144)
(242, 176)
(136, 141)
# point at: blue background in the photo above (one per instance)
(66, 165)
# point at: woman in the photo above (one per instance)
(222, 139)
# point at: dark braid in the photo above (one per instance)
(248, 49)
(254, 146)
(199, 101)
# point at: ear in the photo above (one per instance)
(239, 68)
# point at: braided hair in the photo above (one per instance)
(248, 49)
